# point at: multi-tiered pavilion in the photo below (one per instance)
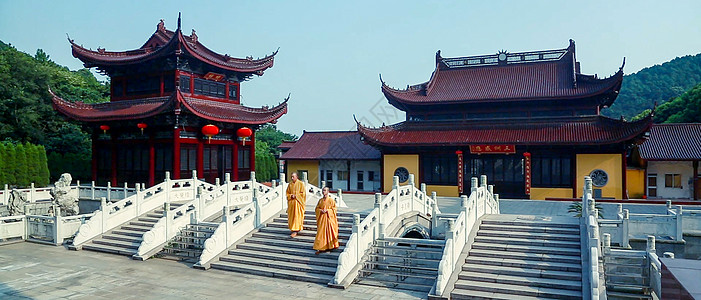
(530, 121)
(175, 106)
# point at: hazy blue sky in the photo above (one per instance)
(332, 52)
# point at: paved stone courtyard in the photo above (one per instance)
(35, 271)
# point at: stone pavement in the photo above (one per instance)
(35, 271)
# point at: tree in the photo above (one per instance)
(683, 109)
(273, 137)
(21, 167)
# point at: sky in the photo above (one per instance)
(332, 52)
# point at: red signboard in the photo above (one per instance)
(214, 76)
(527, 171)
(492, 149)
(460, 172)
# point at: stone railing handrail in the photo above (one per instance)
(314, 193)
(206, 203)
(39, 228)
(111, 215)
(235, 226)
(400, 200)
(591, 265)
(482, 201)
(654, 265)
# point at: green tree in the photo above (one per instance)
(273, 137)
(10, 163)
(21, 174)
(3, 168)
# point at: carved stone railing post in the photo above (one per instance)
(32, 192)
(257, 206)
(426, 202)
(168, 186)
(194, 182)
(435, 205)
(339, 194)
(650, 247)
(6, 195)
(678, 228)
(227, 177)
(109, 192)
(227, 183)
(225, 220)
(92, 190)
(323, 184)
(607, 243)
(624, 226)
(200, 202)
(166, 215)
(253, 185)
(463, 206)
(58, 226)
(216, 182)
(104, 213)
(126, 190)
(411, 191)
(138, 199)
(305, 180)
(395, 190)
(378, 205)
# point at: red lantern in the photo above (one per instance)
(458, 152)
(104, 128)
(210, 130)
(142, 126)
(244, 133)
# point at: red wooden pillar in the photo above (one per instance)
(235, 161)
(176, 153)
(253, 152)
(94, 156)
(113, 166)
(151, 162)
(200, 158)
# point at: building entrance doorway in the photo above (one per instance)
(505, 172)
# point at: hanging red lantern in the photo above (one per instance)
(142, 126)
(244, 133)
(458, 152)
(104, 128)
(209, 131)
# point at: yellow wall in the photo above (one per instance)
(543, 193)
(635, 183)
(443, 190)
(394, 161)
(610, 163)
(311, 166)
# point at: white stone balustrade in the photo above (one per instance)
(590, 266)
(53, 229)
(482, 201)
(400, 200)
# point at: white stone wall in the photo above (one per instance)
(671, 167)
(342, 165)
(369, 185)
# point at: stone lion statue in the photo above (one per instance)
(61, 192)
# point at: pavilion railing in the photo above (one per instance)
(51, 229)
(33, 194)
(400, 200)
(482, 201)
(207, 202)
(111, 215)
(620, 272)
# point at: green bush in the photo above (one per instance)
(23, 164)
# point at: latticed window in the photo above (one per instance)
(673, 180)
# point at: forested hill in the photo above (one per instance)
(659, 83)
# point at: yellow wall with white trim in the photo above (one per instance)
(611, 164)
(311, 166)
(393, 161)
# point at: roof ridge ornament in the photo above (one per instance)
(178, 21)
(193, 36)
(161, 26)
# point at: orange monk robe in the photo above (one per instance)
(295, 207)
(326, 225)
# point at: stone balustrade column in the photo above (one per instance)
(624, 229)
(109, 192)
(679, 234)
(650, 247)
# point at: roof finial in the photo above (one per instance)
(178, 21)
(438, 55)
(161, 26)
(193, 36)
(69, 38)
(623, 65)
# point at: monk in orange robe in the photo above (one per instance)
(296, 200)
(326, 224)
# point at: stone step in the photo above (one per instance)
(530, 235)
(127, 232)
(142, 223)
(425, 261)
(312, 223)
(523, 281)
(510, 228)
(522, 272)
(407, 250)
(154, 215)
(527, 249)
(319, 260)
(517, 290)
(285, 231)
(520, 263)
(527, 255)
(300, 238)
(125, 238)
(459, 294)
(527, 242)
(530, 223)
(280, 265)
(312, 216)
(622, 295)
(272, 272)
(117, 243)
(403, 285)
(300, 252)
(149, 219)
(414, 267)
(283, 243)
(109, 249)
(132, 227)
(397, 273)
(312, 227)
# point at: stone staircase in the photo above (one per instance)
(271, 252)
(128, 237)
(402, 263)
(187, 246)
(524, 257)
